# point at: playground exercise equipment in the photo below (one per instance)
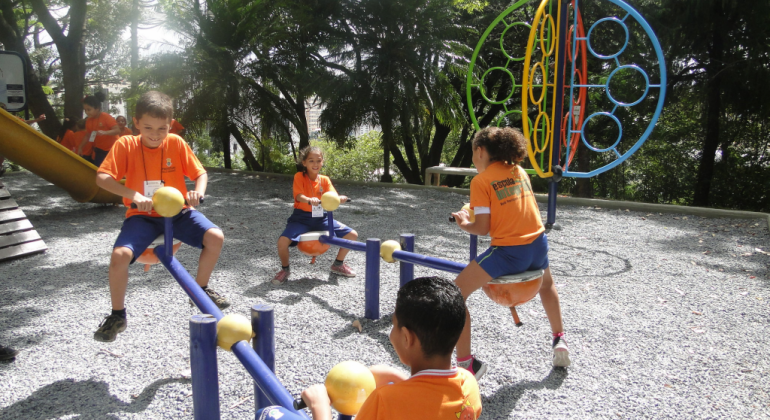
(316, 243)
(509, 290)
(555, 61)
(348, 384)
(203, 338)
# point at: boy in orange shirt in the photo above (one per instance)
(149, 161)
(428, 320)
(505, 208)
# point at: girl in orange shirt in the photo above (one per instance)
(505, 208)
(67, 135)
(102, 130)
(124, 131)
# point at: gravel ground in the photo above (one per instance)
(665, 314)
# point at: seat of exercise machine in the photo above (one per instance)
(518, 278)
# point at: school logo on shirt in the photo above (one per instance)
(510, 187)
(466, 412)
(168, 162)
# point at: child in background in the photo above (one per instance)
(102, 130)
(124, 131)
(150, 161)
(41, 117)
(177, 128)
(67, 134)
(87, 150)
(309, 186)
(505, 208)
(429, 317)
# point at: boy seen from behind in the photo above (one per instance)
(149, 161)
(428, 320)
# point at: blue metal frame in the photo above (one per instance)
(203, 364)
(263, 325)
(406, 270)
(661, 86)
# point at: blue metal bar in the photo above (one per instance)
(474, 247)
(372, 282)
(430, 262)
(263, 325)
(277, 412)
(168, 236)
(264, 378)
(342, 243)
(330, 220)
(406, 269)
(203, 365)
(344, 417)
(196, 293)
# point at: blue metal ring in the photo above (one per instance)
(588, 38)
(646, 85)
(585, 124)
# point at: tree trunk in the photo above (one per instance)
(714, 97)
(225, 133)
(248, 156)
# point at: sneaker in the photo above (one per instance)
(280, 277)
(476, 367)
(560, 352)
(218, 299)
(109, 328)
(7, 353)
(343, 270)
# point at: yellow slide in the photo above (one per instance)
(51, 161)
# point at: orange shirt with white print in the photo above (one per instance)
(103, 122)
(507, 192)
(303, 185)
(170, 162)
(427, 395)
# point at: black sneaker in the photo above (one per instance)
(109, 328)
(218, 299)
(7, 353)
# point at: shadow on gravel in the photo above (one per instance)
(576, 261)
(506, 397)
(305, 285)
(90, 399)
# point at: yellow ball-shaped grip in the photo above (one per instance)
(348, 385)
(330, 201)
(387, 248)
(168, 201)
(231, 329)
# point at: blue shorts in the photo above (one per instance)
(502, 260)
(303, 222)
(139, 231)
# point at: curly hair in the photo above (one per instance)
(303, 155)
(503, 144)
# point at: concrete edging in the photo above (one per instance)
(543, 198)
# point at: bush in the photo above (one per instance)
(362, 160)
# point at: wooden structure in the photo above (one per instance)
(446, 170)
(17, 235)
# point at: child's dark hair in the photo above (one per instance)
(434, 310)
(81, 124)
(68, 124)
(95, 100)
(303, 155)
(155, 104)
(503, 144)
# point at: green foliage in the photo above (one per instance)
(360, 161)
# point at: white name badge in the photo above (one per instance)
(318, 211)
(150, 187)
(93, 137)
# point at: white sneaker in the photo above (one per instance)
(560, 353)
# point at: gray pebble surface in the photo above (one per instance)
(666, 314)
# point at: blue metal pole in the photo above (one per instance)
(430, 262)
(330, 220)
(372, 292)
(553, 186)
(196, 293)
(203, 365)
(263, 324)
(406, 269)
(474, 247)
(264, 378)
(343, 243)
(168, 236)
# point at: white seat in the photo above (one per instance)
(518, 278)
(160, 240)
(312, 236)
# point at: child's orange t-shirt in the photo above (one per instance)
(103, 122)
(175, 127)
(88, 148)
(126, 132)
(70, 141)
(507, 192)
(303, 185)
(170, 162)
(428, 395)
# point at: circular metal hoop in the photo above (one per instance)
(625, 44)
